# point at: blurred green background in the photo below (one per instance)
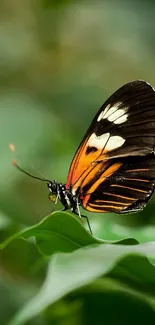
(59, 61)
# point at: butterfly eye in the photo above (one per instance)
(49, 185)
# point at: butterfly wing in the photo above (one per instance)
(123, 128)
(127, 189)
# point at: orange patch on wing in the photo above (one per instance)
(90, 173)
(82, 163)
(87, 175)
(107, 173)
(74, 164)
(91, 209)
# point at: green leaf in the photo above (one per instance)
(72, 271)
(59, 232)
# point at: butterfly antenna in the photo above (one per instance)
(38, 171)
(14, 163)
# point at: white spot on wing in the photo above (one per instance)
(101, 116)
(118, 115)
(98, 141)
(112, 110)
(121, 119)
(114, 143)
(114, 114)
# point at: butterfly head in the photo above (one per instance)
(53, 187)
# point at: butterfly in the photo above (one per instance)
(113, 169)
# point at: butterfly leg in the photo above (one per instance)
(88, 223)
(55, 203)
(78, 213)
(81, 216)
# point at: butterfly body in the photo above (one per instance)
(58, 191)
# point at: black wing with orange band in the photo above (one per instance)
(127, 189)
(114, 166)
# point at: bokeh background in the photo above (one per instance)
(59, 61)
